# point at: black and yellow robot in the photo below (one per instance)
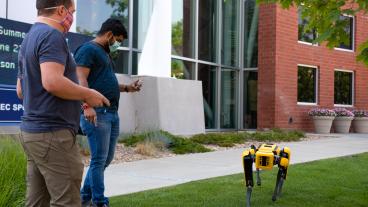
(265, 157)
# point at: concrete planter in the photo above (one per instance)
(342, 124)
(360, 124)
(322, 124)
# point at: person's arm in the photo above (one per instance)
(133, 87)
(19, 89)
(83, 73)
(54, 81)
(89, 112)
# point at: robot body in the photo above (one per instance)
(265, 157)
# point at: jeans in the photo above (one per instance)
(102, 140)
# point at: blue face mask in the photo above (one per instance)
(114, 47)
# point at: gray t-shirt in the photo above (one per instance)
(44, 112)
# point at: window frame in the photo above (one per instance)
(352, 87)
(316, 86)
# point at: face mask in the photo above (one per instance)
(66, 23)
(114, 47)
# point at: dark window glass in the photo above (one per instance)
(305, 34)
(307, 78)
(121, 61)
(208, 30)
(348, 42)
(343, 88)
(207, 74)
(183, 28)
(230, 32)
(91, 15)
(228, 99)
(251, 11)
(250, 99)
(182, 69)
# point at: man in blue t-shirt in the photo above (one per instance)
(47, 83)
(101, 124)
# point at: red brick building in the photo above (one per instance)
(282, 58)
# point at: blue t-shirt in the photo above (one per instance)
(44, 112)
(101, 76)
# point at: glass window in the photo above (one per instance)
(230, 32)
(22, 11)
(228, 99)
(307, 84)
(135, 61)
(305, 34)
(92, 13)
(251, 11)
(183, 28)
(3, 8)
(344, 88)
(250, 99)
(349, 29)
(121, 61)
(208, 30)
(142, 11)
(182, 69)
(207, 74)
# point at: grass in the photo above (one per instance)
(340, 182)
(12, 172)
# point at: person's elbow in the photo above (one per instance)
(51, 86)
(19, 93)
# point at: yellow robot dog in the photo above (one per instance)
(265, 157)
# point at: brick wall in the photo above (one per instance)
(279, 55)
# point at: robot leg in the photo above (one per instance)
(248, 173)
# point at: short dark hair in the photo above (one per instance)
(115, 26)
(42, 4)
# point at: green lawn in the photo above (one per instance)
(327, 183)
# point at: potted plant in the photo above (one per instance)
(322, 119)
(360, 122)
(343, 120)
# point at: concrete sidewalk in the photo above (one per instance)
(149, 174)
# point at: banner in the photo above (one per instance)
(12, 34)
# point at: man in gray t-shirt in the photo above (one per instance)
(48, 85)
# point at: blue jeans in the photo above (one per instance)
(102, 141)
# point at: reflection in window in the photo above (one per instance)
(135, 60)
(250, 99)
(307, 84)
(142, 11)
(343, 88)
(183, 27)
(251, 11)
(349, 41)
(207, 74)
(121, 61)
(182, 69)
(230, 33)
(228, 99)
(304, 33)
(92, 13)
(207, 30)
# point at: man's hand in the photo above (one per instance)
(96, 99)
(90, 115)
(135, 86)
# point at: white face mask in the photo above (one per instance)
(114, 47)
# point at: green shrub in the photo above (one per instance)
(221, 139)
(13, 164)
(176, 144)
